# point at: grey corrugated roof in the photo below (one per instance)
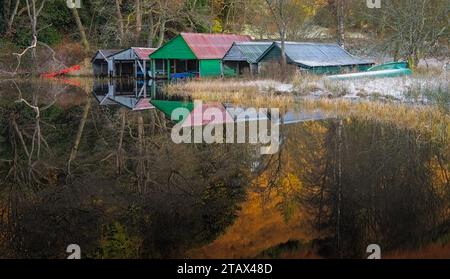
(109, 52)
(105, 53)
(246, 51)
(320, 55)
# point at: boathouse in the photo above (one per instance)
(132, 95)
(131, 62)
(102, 62)
(193, 55)
(242, 57)
(316, 58)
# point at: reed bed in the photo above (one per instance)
(428, 119)
(431, 119)
(259, 93)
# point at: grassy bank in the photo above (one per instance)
(429, 119)
(433, 118)
(257, 93)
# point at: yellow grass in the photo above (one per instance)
(240, 92)
(427, 119)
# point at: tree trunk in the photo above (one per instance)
(80, 26)
(11, 18)
(341, 23)
(150, 31)
(120, 22)
(162, 30)
(74, 152)
(138, 21)
(33, 18)
(283, 54)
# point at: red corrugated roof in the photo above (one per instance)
(212, 46)
(143, 52)
(210, 113)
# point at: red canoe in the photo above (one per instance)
(62, 72)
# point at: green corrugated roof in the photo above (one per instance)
(167, 107)
(246, 51)
(177, 48)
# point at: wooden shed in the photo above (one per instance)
(193, 54)
(316, 58)
(243, 57)
(132, 95)
(102, 62)
(131, 62)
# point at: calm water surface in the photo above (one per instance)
(95, 165)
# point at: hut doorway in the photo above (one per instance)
(124, 68)
(100, 68)
(234, 68)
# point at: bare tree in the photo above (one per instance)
(167, 11)
(78, 136)
(413, 28)
(286, 14)
(147, 8)
(80, 26)
(34, 8)
(12, 16)
(151, 32)
(278, 9)
(120, 21)
(138, 19)
(340, 12)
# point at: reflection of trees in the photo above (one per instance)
(186, 194)
(361, 182)
(373, 184)
(131, 192)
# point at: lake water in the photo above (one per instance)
(93, 163)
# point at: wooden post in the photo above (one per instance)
(153, 63)
(111, 68)
(145, 69)
(135, 69)
(168, 69)
(136, 93)
(145, 89)
(153, 89)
